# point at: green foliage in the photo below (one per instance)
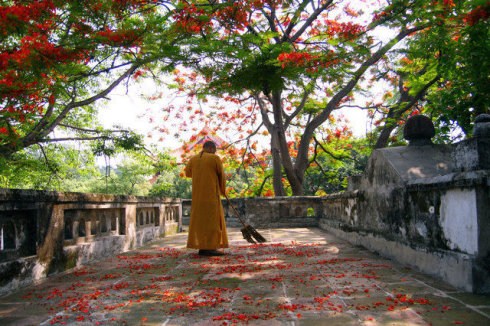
(74, 169)
(456, 49)
(169, 180)
(330, 170)
(171, 184)
(130, 177)
(110, 144)
(52, 167)
(260, 72)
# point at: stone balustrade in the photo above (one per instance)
(42, 233)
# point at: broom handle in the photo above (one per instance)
(236, 212)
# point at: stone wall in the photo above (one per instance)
(268, 212)
(427, 206)
(43, 233)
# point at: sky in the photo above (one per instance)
(128, 109)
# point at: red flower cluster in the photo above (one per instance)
(480, 13)
(380, 15)
(449, 3)
(10, 16)
(343, 30)
(117, 38)
(234, 16)
(191, 19)
(28, 60)
(306, 60)
(298, 59)
(236, 317)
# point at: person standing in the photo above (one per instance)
(207, 228)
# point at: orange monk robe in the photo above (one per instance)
(207, 228)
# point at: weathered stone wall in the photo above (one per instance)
(439, 227)
(268, 212)
(42, 233)
(425, 205)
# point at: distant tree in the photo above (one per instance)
(130, 176)
(333, 162)
(168, 179)
(49, 167)
(171, 184)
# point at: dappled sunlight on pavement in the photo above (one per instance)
(301, 276)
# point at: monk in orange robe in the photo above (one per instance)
(207, 228)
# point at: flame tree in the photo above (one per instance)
(57, 58)
(297, 61)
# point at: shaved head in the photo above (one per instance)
(209, 147)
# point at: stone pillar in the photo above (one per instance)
(474, 153)
(481, 129)
(131, 224)
(419, 130)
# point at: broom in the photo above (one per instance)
(248, 232)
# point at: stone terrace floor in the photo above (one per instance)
(302, 276)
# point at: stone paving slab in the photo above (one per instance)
(301, 276)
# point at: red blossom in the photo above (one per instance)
(191, 19)
(11, 16)
(380, 15)
(343, 30)
(480, 13)
(113, 307)
(117, 37)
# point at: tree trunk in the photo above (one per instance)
(286, 160)
(383, 137)
(276, 166)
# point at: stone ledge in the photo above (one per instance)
(458, 269)
(451, 180)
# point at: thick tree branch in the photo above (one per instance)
(302, 158)
(309, 21)
(46, 126)
(405, 103)
(92, 130)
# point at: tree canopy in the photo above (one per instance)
(296, 62)
(58, 57)
(282, 66)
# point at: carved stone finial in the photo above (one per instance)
(419, 130)
(482, 126)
